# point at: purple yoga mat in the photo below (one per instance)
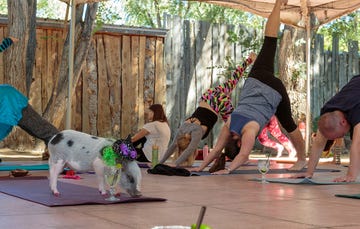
(36, 189)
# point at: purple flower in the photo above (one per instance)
(133, 154)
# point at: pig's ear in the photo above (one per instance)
(128, 139)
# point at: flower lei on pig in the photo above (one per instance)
(115, 154)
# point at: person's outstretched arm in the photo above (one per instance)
(6, 43)
(219, 146)
(354, 167)
(249, 133)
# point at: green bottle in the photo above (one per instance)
(155, 155)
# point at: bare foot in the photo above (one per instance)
(299, 165)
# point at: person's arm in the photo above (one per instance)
(219, 146)
(247, 143)
(189, 151)
(6, 43)
(354, 167)
(315, 153)
(142, 133)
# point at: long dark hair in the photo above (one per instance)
(159, 114)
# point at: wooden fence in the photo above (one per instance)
(122, 76)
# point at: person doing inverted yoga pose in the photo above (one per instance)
(262, 96)
(215, 101)
(338, 116)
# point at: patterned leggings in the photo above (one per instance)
(219, 97)
(274, 129)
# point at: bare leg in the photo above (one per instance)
(273, 23)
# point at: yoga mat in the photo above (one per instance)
(353, 196)
(143, 165)
(307, 181)
(8, 166)
(255, 171)
(36, 189)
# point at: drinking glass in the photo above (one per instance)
(112, 178)
(263, 167)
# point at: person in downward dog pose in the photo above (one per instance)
(262, 96)
(215, 101)
(233, 147)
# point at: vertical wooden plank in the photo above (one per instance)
(113, 64)
(342, 77)
(127, 89)
(316, 87)
(149, 76)
(184, 48)
(353, 47)
(141, 73)
(160, 79)
(135, 76)
(334, 66)
(103, 120)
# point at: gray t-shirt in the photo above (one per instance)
(257, 101)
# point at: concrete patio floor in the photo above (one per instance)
(232, 202)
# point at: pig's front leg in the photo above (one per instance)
(99, 171)
(54, 170)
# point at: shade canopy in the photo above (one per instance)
(296, 11)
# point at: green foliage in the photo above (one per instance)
(3, 7)
(149, 13)
(227, 69)
(108, 12)
(346, 28)
(54, 9)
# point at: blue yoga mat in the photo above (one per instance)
(7, 166)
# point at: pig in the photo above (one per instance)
(82, 152)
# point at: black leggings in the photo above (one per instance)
(263, 70)
(36, 126)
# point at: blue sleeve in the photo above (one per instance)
(5, 44)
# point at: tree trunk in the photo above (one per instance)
(56, 107)
(18, 64)
(292, 68)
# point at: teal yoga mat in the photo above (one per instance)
(8, 166)
(353, 196)
(307, 181)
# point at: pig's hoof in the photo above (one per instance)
(57, 194)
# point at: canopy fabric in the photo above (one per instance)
(296, 11)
